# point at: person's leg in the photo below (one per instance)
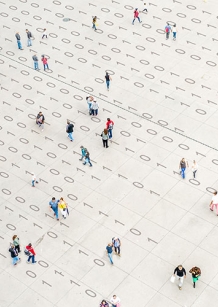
(181, 282)
(93, 112)
(115, 249)
(110, 257)
(65, 213)
(107, 144)
(44, 66)
(133, 21)
(37, 65)
(216, 209)
(33, 259)
(183, 173)
(139, 19)
(56, 213)
(104, 143)
(110, 133)
(33, 183)
(90, 162)
(28, 260)
(118, 249)
(47, 66)
(70, 136)
(19, 45)
(96, 112)
(30, 42)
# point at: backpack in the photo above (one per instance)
(167, 29)
(110, 126)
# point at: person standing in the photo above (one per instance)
(53, 204)
(29, 36)
(34, 180)
(69, 130)
(45, 62)
(63, 207)
(167, 30)
(105, 138)
(16, 243)
(145, 8)
(109, 126)
(116, 244)
(32, 255)
(108, 79)
(180, 274)
(214, 202)
(136, 15)
(182, 165)
(36, 62)
(94, 22)
(17, 35)
(109, 249)
(87, 159)
(94, 108)
(14, 255)
(194, 168)
(115, 301)
(83, 153)
(44, 34)
(174, 30)
(196, 273)
(89, 101)
(40, 120)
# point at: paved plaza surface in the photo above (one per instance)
(163, 101)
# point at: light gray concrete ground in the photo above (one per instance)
(163, 100)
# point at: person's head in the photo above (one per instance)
(194, 161)
(183, 159)
(61, 198)
(108, 119)
(12, 246)
(105, 131)
(14, 237)
(94, 101)
(103, 302)
(114, 296)
(180, 267)
(107, 73)
(168, 23)
(215, 193)
(53, 198)
(17, 32)
(109, 244)
(68, 122)
(43, 56)
(40, 113)
(136, 9)
(44, 29)
(26, 30)
(144, 3)
(30, 245)
(81, 147)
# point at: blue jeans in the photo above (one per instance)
(87, 160)
(19, 45)
(110, 133)
(94, 26)
(33, 258)
(137, 18)
(183, 173)
(36, 65)
(110, 257)
(174, 35)
(45, 66)
(94, 112)
(107, 83)
(33, 183)
(29, 42)
(15, 260)
(55, 211)
(70, 136)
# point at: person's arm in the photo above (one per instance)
(184, 271)
(175, 271)
(187, 163)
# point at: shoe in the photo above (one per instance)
(211, 209)
(27, 261)
(107, 146)
(119, 255)
(180, 288)
(80, 159)
(63, 216)
(19, 259)
(15, 264)
(140, 21)
(90, 165)
(112, 263)
(84, 163)
(34, 262)
(57, 219)
(54, 214)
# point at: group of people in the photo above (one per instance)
(115, 301)
(168, 29)
(114, 245)
(183, 164)
(15, 250)
(180, 274)
(54, 205)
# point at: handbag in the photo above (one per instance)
(172, 279)
(27, 253)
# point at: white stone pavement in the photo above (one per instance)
(163, 100)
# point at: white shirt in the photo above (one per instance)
(174, 29)
(215, 199)
(194, 167)
(95, 106)
(115, 301)
(33, 177)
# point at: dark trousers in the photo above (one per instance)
(17, 248)
(105, 143)
(194, 173)
(117, 249)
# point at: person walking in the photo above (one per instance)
(44, 34)
(53, 204)
(174, 31)
(180, 274)
(109, 249)
(69, 130)
(87, 159)
(40, 120)
(115, 301)
(45, 62)
(16, 243)
(109, 126)
(108, 79)
(94, 23)
(29, 38)
(104, 304)
(136, 15)
(105, 138)
(167, 30)
(145, 8)
(94, 108)
(194, 168)
(116, 244)
(214, 202)
(14, 255)
(34, 180)
(17, 35)
(196, 273)
(63, 207)
(182, 165)
(89, 100)
(83, 152)
(36, 62)
(32, 253)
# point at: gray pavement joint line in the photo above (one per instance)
(81, 90)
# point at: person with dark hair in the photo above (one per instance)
(108, 79)
(83, 152)
(196, 273)
(32, 253)
(104, 304)
(174, 31)
(182, 165)
(94, 21)
(69, 130)
(53, 204)
(45, 62)
(109, 126)
(105, 138)
(16, 243)
(109, 249)
(167, 30)
(94, 107)
(214, 202)
(63, 207)
(29, 36)
(17, 35)
(136, 15)
(180, 274)
(14, 255)
(40, 120)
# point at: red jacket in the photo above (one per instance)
(44, 60)
(108, 123)
(136, 14)
(30, 249)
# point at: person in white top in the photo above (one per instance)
(145, 8)
(94, 108)
(194, 168)
(44, 34)
(115, 301)
(214, 202)
(174, 30)
(34, 180)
